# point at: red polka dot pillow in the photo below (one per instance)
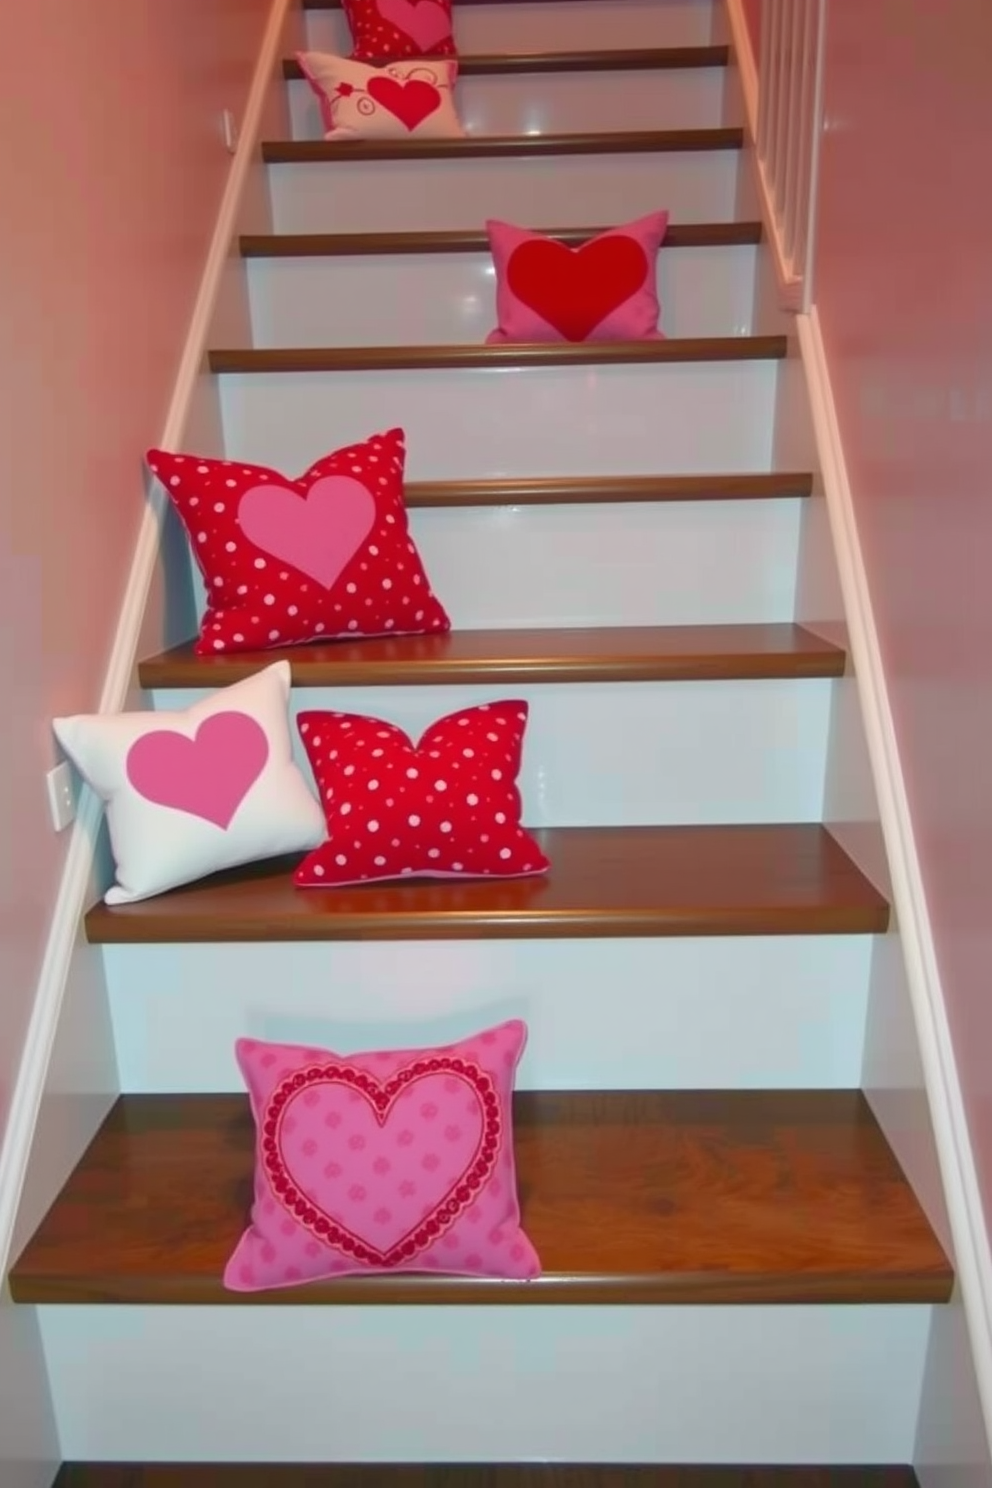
(446, 807)
(392, 1161)
(403, 100)
(604, 290)
(286, 561)
(382, 30)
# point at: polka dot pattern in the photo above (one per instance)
(361, 573)
(388, 1161)
(447, 807)
(376, 38)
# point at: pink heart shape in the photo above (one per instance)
(410, 1152)
(206, 776)
(318, 534)
(424, 21)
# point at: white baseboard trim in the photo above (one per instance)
(74, 885)
(972, 1252)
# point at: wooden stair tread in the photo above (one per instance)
(570, 489)
(788, 879)
(474, 146)
(627, 59)
(613, 654)
(740, 1196)
(475, 240)
(526, 354)
(469, 1475)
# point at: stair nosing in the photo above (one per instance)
(610, 654)
(472, 240)
(566, 490)
(833, 1128)
(621, 59)
(79, 1474)
(611, 142)
(677, 349)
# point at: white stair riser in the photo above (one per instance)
(679, 418)
(684, 563)
(575, 25)
(759, 1013)
(407, 195)
(616, 1384)
(628, 753)
(550, 102)
(413, 300)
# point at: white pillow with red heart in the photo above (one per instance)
(411, 99)
(189, 793)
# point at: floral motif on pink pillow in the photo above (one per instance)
(392, 1161)
(605, 290)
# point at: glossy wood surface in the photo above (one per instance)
(476, 1475)
(629, 59)
(474, 240)
(525, 354)
(670, 653)
(631, 881)
(629, 1197)
(479, 146)
(573, 489)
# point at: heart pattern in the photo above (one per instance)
(424, 21)
(575, 289)
(207, 775)
(319, 533)
(352, 1204)
(411, 100)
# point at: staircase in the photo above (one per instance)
(736, 1269)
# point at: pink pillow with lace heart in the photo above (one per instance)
(605, 290)
(190, 792)
(285, 561)
(383, 30)
(403, 100)
(393, 1161)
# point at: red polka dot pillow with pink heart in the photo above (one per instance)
(190, 792)
(286, 561)
(403, 100)
(604, 290)
(393, 1161)
(445, 807)
(383, 30)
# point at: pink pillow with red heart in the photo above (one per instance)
(403, 100)
(605, 290)
(447, 807)
(395, 1161)
(289, 561)
(382, 30)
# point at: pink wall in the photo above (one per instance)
(110, 179)
(752, 13)
(902, 285)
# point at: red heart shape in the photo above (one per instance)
(574, 289)
(411, 100)
(320, 1092)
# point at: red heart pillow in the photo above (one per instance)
(448, 807)
(289, 561)
(604, 290)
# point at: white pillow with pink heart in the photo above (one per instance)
(192, 792)
(403, 100)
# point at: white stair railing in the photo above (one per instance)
(790, 85)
